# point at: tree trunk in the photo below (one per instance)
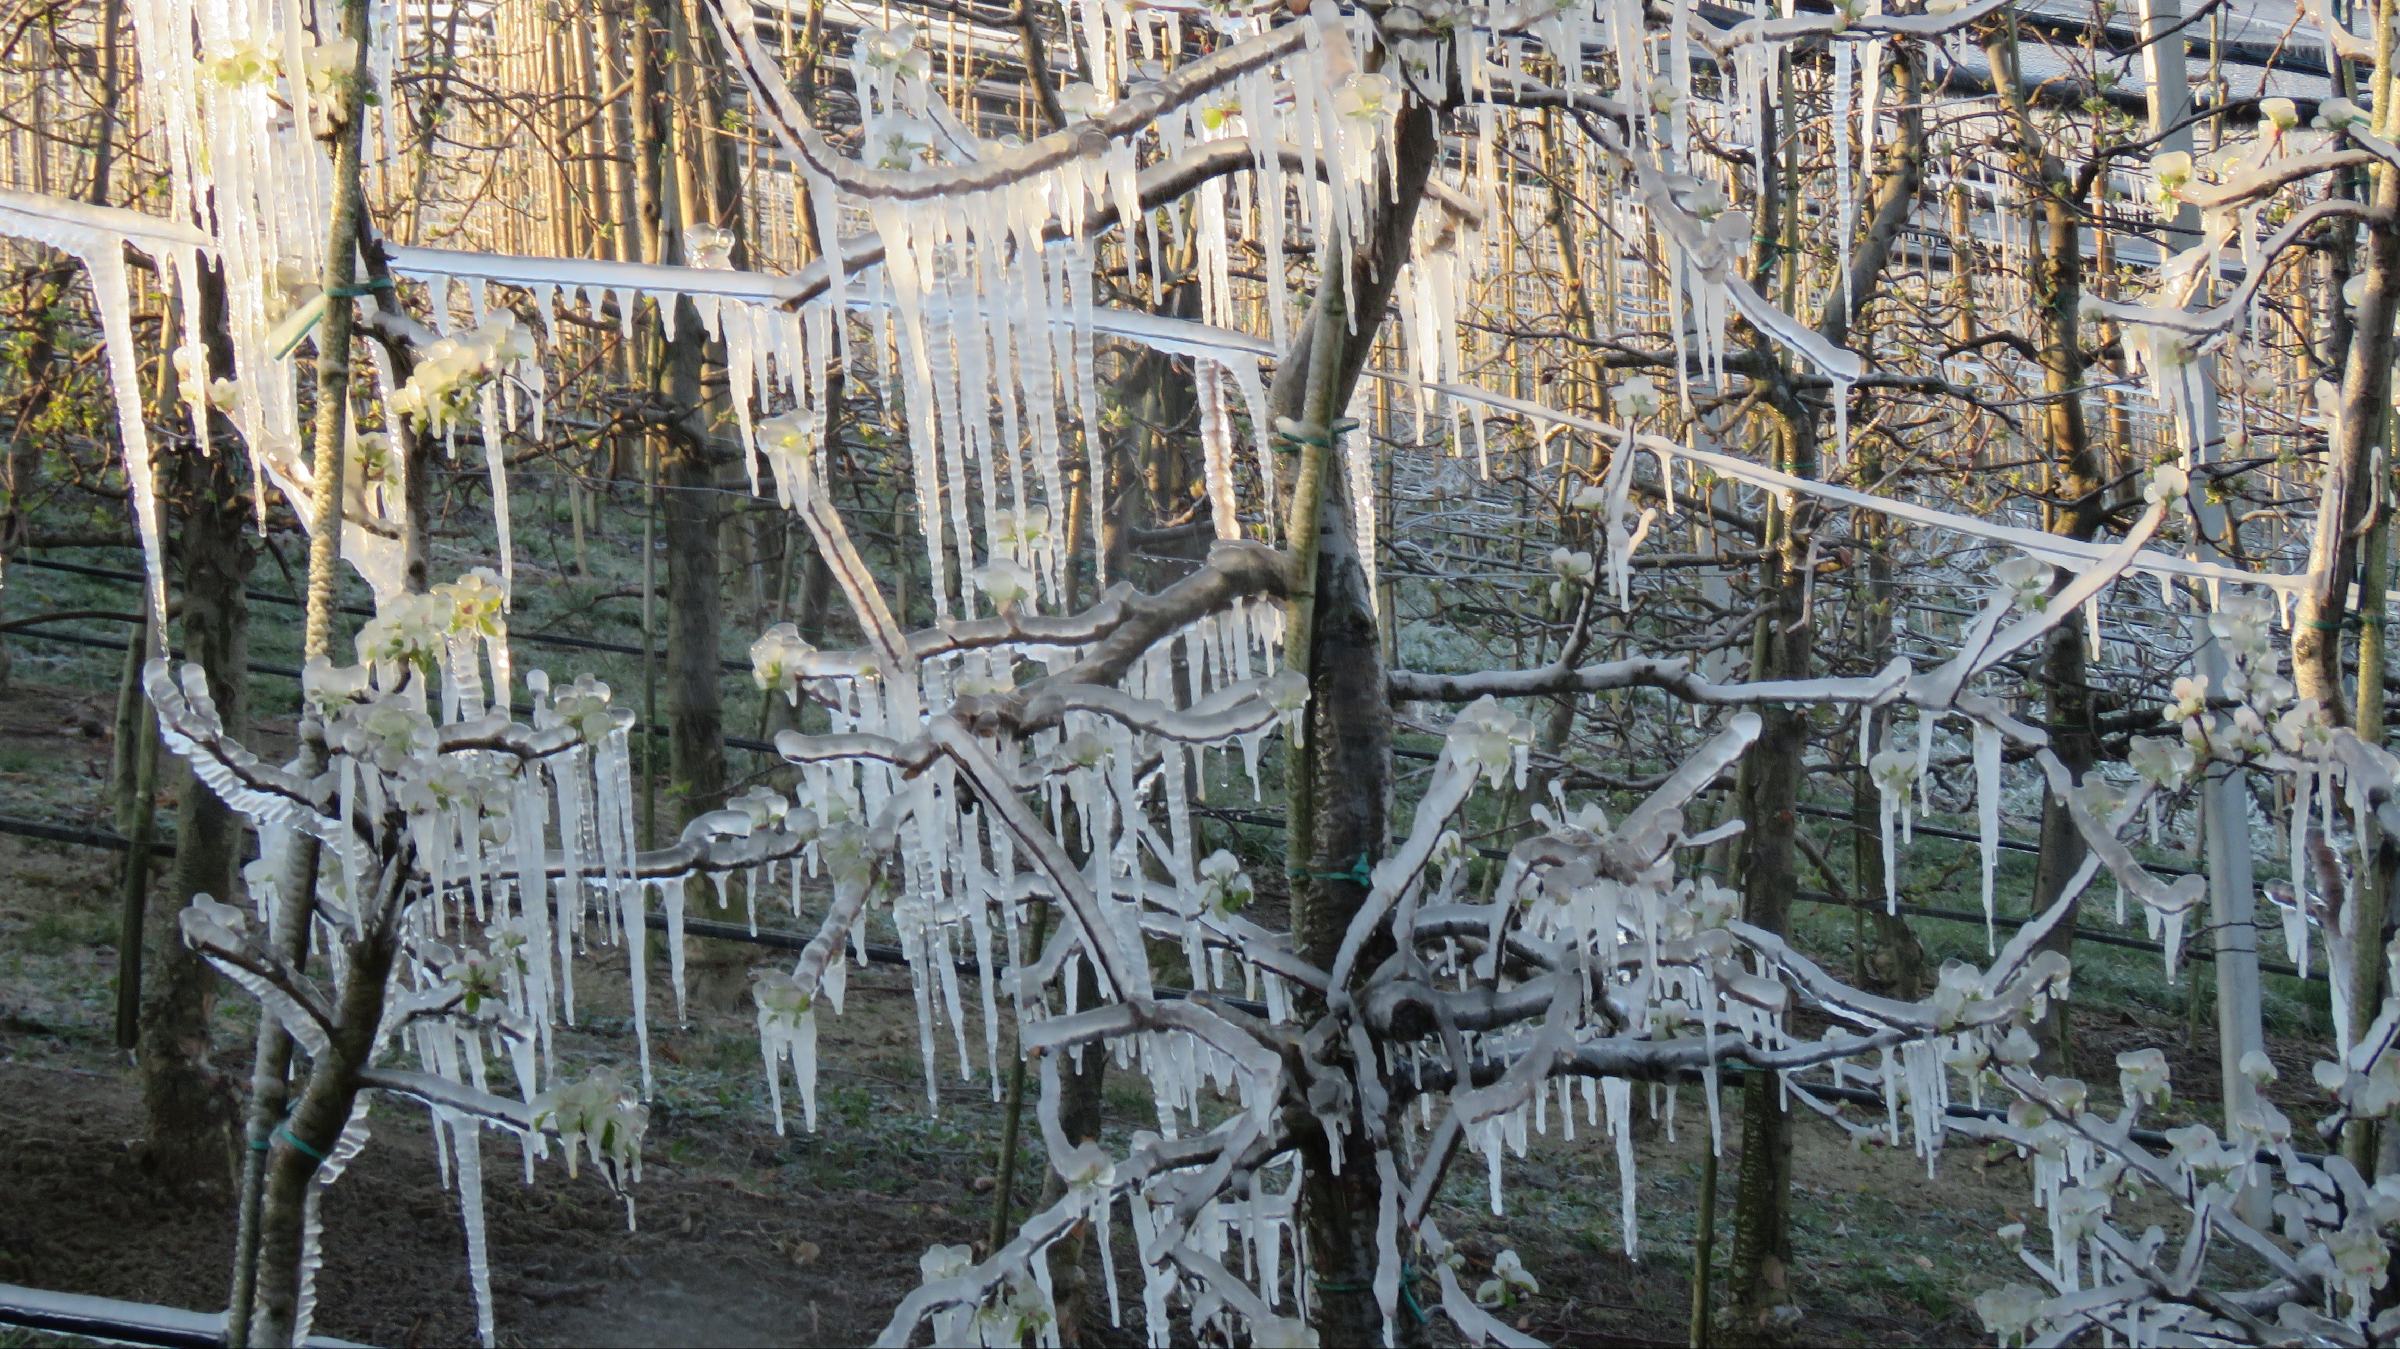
(1340, 780)
(300, 1146)
(2358, 428)
(1759, 1281)
(258, 1262)
(1784, 648)
(187, 1105)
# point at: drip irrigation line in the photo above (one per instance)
(114, 1321)
(552, 639)
(742, 742)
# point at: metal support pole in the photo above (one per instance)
(2225, 805)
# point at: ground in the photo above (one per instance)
(745, 1237)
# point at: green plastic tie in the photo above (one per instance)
(362, 289)
(285, 1133)
(1408, 1292)
(1360, 874)
(1290, 443)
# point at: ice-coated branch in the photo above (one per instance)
(1669, 674)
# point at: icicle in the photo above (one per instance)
(1987, 810)
(671, 899)
(466, 1139)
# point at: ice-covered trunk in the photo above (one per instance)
(296, 885)
(300, 1145)
(1341, 785)
(2073, 739)
(695, 676)
(185, 1111)
(2055, 261)
(1782, 649)
(1891, 959)
(2346, 491)
(1349, 758)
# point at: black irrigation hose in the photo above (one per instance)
(552, 639)
(41, 634)
(113, 1321)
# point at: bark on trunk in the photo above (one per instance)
(1341, 785)
(188, 1106)
(2077, 510)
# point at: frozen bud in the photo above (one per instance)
(1084, 750)
(2237, 441)
(2009, 1312)
(2167, 485)
(709, 246)
(1489, 738)
(1286, 691)
(1006, 582)
(2017, 1047)
(2279, 113)
(2173, 171)
(1571, 564)
(244, 63)
(2304, 730)
(2340, 114)
(476, 603)
(1894, 770)
(2256, 1066)
(1225, 889)
(2329, 1076)
(781, 998)
(407, 630)
(328, 685)
(783, 435)
(2026, 578)
(1080, 101)
(600, 1114)
(776, 659)
(331, 62)
(1967, 1057)
(2160, 761)
(1088, 1170)
(1588, 497)
(1366, 97)
(205, 918)
(2142, 1076)
(2190, 699)
(945, 1262)
(898, 144)
(585, 705)
(1636, 397)
(764, 805)
(393, 734)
